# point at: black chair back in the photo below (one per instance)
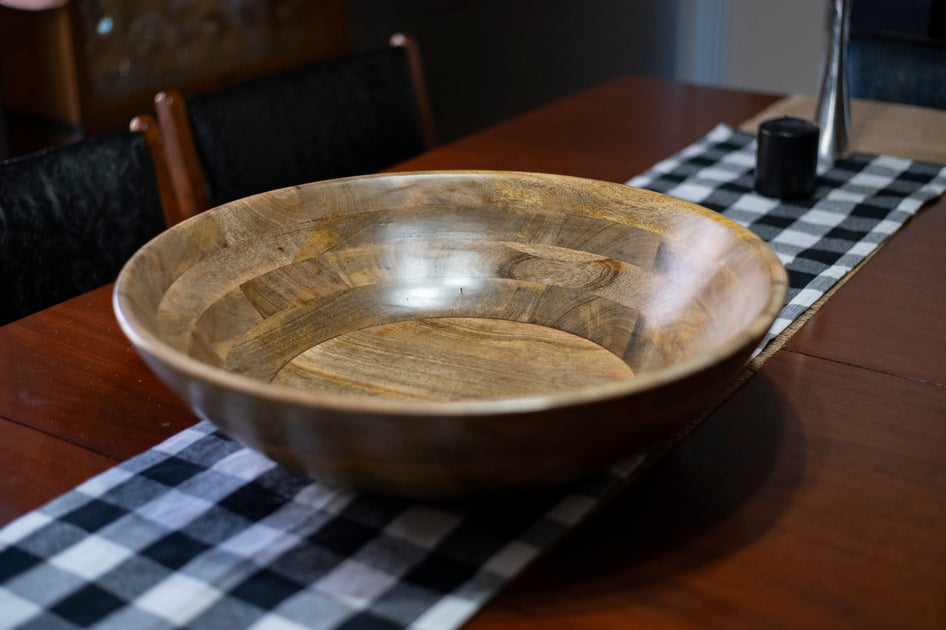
(71, 216)
(334, 118)
(898, 69)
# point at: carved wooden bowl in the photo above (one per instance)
(440, 334)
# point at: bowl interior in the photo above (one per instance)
(451, 286)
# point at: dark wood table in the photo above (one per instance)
(814, 497)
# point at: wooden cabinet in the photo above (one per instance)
(94, 64)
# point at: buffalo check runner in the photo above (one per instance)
(200, 532)
(857, 204)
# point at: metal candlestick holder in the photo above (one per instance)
(834, 109)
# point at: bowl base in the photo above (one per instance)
(454, 358)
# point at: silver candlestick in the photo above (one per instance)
(834, 109)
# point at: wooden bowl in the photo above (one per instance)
(445, 333)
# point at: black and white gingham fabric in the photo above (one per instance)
(199, 532)
(858, 203)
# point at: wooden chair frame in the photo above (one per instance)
(184, 167)
(146, 125)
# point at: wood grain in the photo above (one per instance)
(612, 131)
(825, 511)
(891, 319)
(454, 358)
(35, 450)
(543, 275)
(184, 170)
(146, 125)
(69, 372)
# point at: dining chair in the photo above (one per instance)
(333, 118)
(898, 68)
(70, 216)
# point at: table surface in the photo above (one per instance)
(814, 497)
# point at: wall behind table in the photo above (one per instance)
(488, 60)
(777, 46)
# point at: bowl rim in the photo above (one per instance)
(148, 344)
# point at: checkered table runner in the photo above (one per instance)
(199, 532)
(857, 204)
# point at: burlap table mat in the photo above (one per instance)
(916, 133)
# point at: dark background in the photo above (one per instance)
(487, 60)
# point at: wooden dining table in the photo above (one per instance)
(813, 497)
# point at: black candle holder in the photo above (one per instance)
(786, 158)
